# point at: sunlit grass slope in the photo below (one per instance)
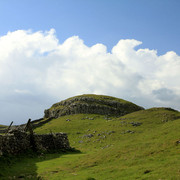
(140, 145)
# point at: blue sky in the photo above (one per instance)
(51, 50)
(156, 23)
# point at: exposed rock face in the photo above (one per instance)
(91, 104)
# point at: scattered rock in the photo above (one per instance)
(178, 142)
(107, 118)
(129, 131)
(135, 123)
(147, 171)
(106, 146)
(110, 132)
(88, 136)
(88, 118)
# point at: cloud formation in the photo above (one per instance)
(36, 70)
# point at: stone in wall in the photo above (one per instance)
(21, 142)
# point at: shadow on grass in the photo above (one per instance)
(24, 166)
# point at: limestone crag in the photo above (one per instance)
(91, 104)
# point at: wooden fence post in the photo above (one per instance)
(9, 128)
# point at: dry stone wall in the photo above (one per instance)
(22, 142)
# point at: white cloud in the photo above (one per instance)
(36, 71)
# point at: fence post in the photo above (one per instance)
(9, 128)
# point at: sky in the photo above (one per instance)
(51, 50)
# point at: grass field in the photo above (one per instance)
(140, 145)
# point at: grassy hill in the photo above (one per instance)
(91, 104)
(139, 145)
(2, 126)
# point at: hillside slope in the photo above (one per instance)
(140, 145)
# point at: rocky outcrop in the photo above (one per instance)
(91, 104)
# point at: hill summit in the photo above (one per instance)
(91, 104)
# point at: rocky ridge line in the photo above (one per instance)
(91, 105)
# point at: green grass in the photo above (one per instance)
(117, 150)
(95, 97)
(100, 97)
(2, 126)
